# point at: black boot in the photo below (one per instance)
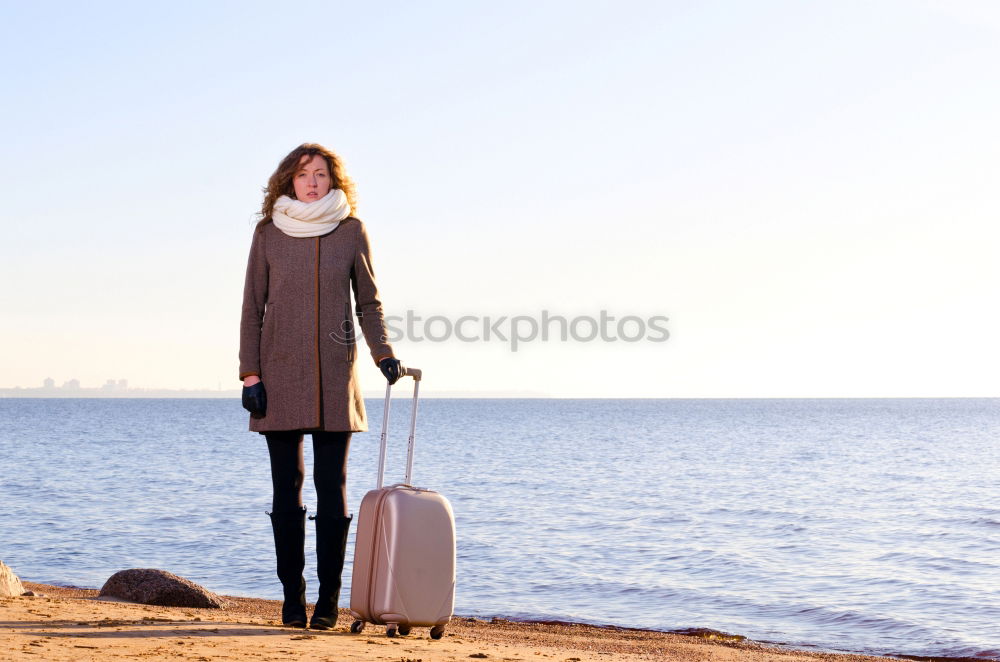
(331, 543)
(289, 546)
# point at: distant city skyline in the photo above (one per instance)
(74, 383)
(111, 387)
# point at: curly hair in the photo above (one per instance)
(280, 182)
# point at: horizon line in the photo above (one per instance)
(209, 394)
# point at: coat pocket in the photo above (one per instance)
(268, 335)
(352, 347)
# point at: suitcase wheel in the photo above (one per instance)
(437, 632)
(390, 630)
(357, 627)
(404, 630)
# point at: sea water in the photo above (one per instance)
(846, 525)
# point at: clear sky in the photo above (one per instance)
(807, 190)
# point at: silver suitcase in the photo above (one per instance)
(404, 552)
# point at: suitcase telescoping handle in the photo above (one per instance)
(407, 372)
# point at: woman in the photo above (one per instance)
(297, 359)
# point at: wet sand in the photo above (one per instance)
(73, 624)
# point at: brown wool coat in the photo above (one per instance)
(297, 331)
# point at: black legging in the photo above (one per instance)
(288, 470)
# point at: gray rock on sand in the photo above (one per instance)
(10, 585)
(158, 587)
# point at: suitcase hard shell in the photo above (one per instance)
(404, 552)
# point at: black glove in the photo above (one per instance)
(392, 369)
(255, 400)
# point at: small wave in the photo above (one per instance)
(668, 519)
(977, 656)
(944, 563)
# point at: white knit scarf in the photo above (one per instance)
(311, 219)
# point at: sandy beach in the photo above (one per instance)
(74, 624)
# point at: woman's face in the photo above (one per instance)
(312, 180)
